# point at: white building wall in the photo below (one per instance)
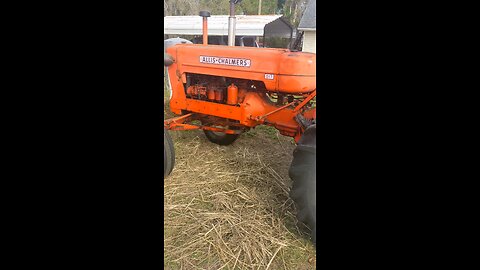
(310, 41)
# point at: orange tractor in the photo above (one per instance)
(229, 90)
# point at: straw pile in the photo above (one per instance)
(227, 207)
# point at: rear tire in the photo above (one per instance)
(168, 154)
(303, 173)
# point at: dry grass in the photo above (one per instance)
(227, 207)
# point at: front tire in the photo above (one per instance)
(220, 138)
(168, 154)
(303, 173)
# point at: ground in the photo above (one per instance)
(227, 207)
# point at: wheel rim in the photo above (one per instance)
(217, 133)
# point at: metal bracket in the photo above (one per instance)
(303, 121)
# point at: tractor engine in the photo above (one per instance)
(222, 90)
(207, 88)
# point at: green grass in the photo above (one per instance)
(267, 131)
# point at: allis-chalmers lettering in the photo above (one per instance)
(239, 62)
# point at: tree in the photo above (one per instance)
(193, 7)
(250, 7)
(292, 10)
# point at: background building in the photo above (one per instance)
(308, 24)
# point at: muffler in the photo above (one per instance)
(231, 22)
(205, 15)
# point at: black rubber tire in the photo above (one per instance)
(303, 173)
(168, 154)
(220, 138)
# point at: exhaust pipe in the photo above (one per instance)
(231, 23)
(205, 15)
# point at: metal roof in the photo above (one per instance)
(309, 18)
(246, 25)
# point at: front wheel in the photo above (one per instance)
(168, 154)
(303, 173)
(220, 138)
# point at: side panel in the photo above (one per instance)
(268, 65)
